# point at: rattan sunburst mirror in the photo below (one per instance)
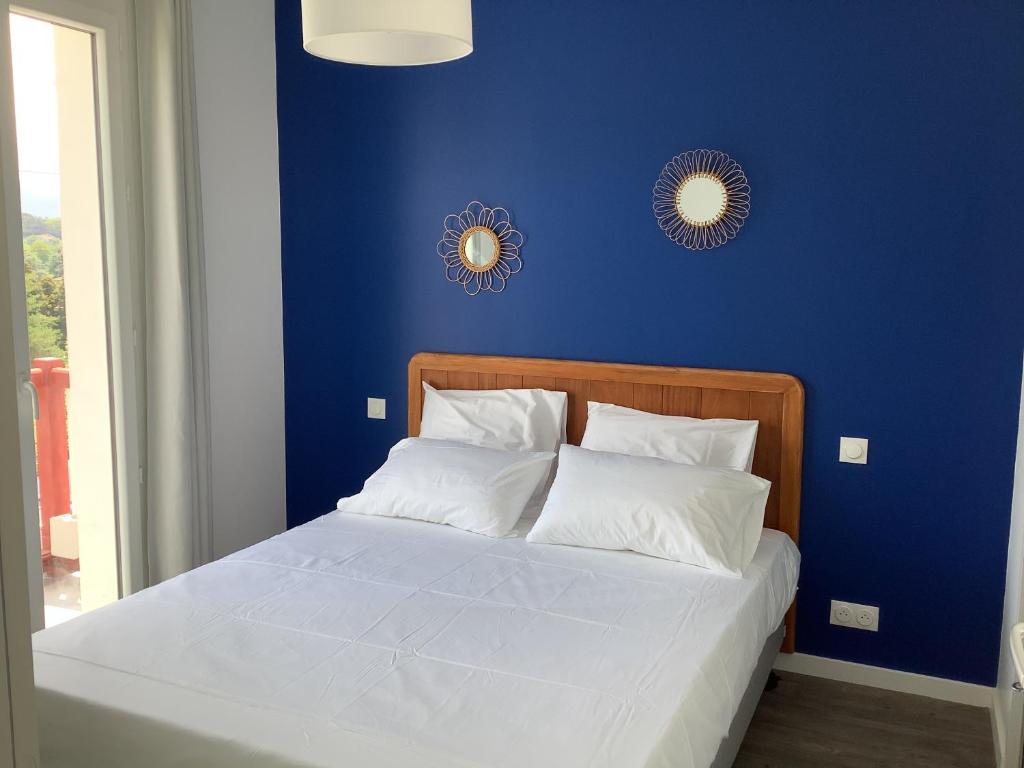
(480, 248)
(701, 199)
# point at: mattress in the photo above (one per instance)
(384, 643)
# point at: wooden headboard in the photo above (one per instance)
(776, 400)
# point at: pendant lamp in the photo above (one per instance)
(388, 33)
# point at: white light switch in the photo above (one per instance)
(376, 408)
(853, 450)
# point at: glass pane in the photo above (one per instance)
(58, 157)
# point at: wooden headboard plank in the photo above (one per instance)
(614, 392)
(539, 382)
(792, 464)
(463, 380)
(724, 404)
(766, 407)
(579, 392)
(649, 397)
(683, 401)
(776, 400)
(436, 379)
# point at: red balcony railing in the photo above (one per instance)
(52, 381)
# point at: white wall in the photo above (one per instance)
(91, 455)
(1009, 706)
(236, 99)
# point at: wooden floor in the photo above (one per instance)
(807, 722)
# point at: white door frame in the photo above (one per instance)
(111, 22)
(1007, 703)
(18, 734)
(14, 265)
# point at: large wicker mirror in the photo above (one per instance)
(701, 199)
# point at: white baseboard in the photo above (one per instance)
(888, 679)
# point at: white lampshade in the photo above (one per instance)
(391, 33)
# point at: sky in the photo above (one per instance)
(35, 107)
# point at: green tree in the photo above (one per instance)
(44, 289)
(44, 253)
(37, 225)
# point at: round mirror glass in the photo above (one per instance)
(701, 199)
(479, 249)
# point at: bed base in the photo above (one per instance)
(759, 681)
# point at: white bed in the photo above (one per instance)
(385, 643)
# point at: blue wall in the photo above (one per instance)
(881, 263)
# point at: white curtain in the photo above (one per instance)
(177, 466)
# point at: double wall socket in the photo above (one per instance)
(854, 615)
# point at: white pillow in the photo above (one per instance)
(706, 516)
(466, 486)
(507, 419)
(705, 442)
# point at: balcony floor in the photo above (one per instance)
(62, 597)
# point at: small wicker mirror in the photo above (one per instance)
(480, 248)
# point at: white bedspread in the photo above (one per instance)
(381, 643)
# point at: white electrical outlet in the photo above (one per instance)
(376, 408)
(854, 615)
